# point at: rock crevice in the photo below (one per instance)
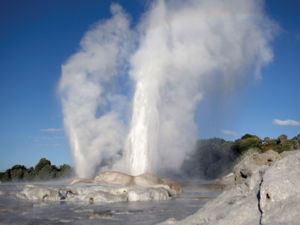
(263, 189)
(258, 201)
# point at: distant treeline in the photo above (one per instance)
(212, 158)
(42, 171)
(215, 157)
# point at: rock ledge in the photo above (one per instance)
(264, 191)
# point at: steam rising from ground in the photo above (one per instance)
(182, 46)
(91, 103)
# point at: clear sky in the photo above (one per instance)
(37, 37)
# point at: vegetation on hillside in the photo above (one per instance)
(215, 157)
(42, 171)
(212, 158)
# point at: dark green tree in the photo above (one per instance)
(46, 172)
(42, 171)
(17, 172)
(65, 171)
(247, 142)
(282, 138)
(29, 175)
(41, 164)
(6, 176)
(248, 136)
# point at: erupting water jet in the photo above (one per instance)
(170, 58)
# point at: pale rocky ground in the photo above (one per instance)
(107, 187)
(16, 211)
(263, 189)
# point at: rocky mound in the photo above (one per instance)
(264, 190)
(144, 180)
(106, 187)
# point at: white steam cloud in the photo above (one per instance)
(286, 122)
(182, 46)
(89, 91)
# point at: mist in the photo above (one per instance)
(88, 88)
(178, 53)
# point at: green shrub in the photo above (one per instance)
(17, 172)
(41, 164)
(6, 176)
(29, 175)
(284, 144)
(247, 142)
(248, 136)
(65, 171)
(282, 138)
(42, 171)
(46, 172)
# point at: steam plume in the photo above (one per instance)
(182, 47)
(89, 91)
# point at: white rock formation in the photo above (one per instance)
(105, 188)
(92, 193)
(266, 192)
(280, 192)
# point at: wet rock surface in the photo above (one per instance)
(107, 187)
(91, 193)
(265, 190)
(20, 211)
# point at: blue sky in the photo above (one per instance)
(37, 37)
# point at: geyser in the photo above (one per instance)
(143, 135)
(170, 59)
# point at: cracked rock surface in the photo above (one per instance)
(90, 193)
(106, 187)
(265, 190)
